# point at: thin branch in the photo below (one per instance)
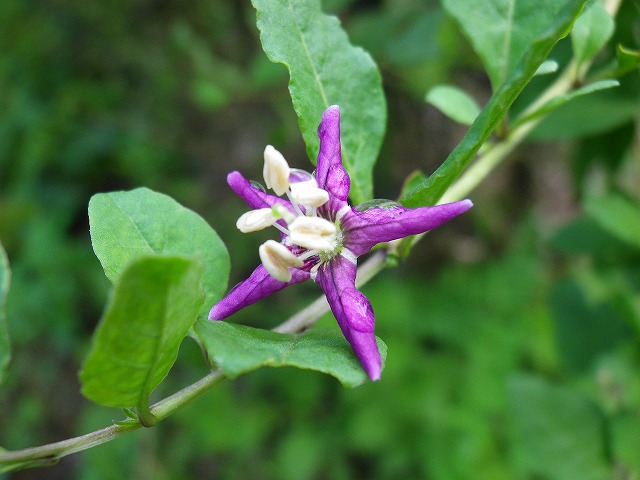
(50, 453)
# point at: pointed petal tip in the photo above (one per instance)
(374, 373)
(331, 116)
(458, 207)
(214, 315)
(466, 204)
(234, 177)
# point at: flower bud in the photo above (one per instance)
(314, 233)
(308, 194)
(276, 170)
(255, 220)
(276, 259)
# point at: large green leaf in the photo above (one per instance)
(5, 350)
(558, 434)
(154, 303)
(428, 192)
(127, 225)
(237, 349)
(325, 69)
(501, 31)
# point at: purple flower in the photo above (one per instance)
(322, 236)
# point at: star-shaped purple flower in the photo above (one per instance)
(322, 236)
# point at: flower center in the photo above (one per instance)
(306, 235)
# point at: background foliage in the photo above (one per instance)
(513, 333)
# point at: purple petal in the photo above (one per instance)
(258, 286)
(252, 195)
(352, 311)
(330, 174)
(366, 229)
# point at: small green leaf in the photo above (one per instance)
(5, 348)
(562, 99)
(627, 60)
(141, 222)
(591, 32)
(325, 69)
(501, 31)
(154, 303)
(237, 349)
(430, 191)
(547, 67)
(615, 107)
(617, 215)
(454, 103)
(413, 180)
(558, 434)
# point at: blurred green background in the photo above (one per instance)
(513, 331)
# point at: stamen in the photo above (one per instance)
(276, 170)
(276, 259)
(308, 194)
(313, 233)
(294, 203)
(256, 220)
(282, 212)
(281, 228)
(308, 254)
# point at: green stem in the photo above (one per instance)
(52, 452)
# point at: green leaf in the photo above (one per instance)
(454, 103)
(501, 31)
(141, 222)
(591, 32)
(154, 303)
(430, 191)
(325, 69)
(594, 114)
(5, 278)
(237, 349)
(626, 442)
(558, 434)
(562, 99)
(617, 215)
(585, 328)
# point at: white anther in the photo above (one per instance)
(277, 259)
(314, 233)
(255, 220)
(308, 194)
(276, 170)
